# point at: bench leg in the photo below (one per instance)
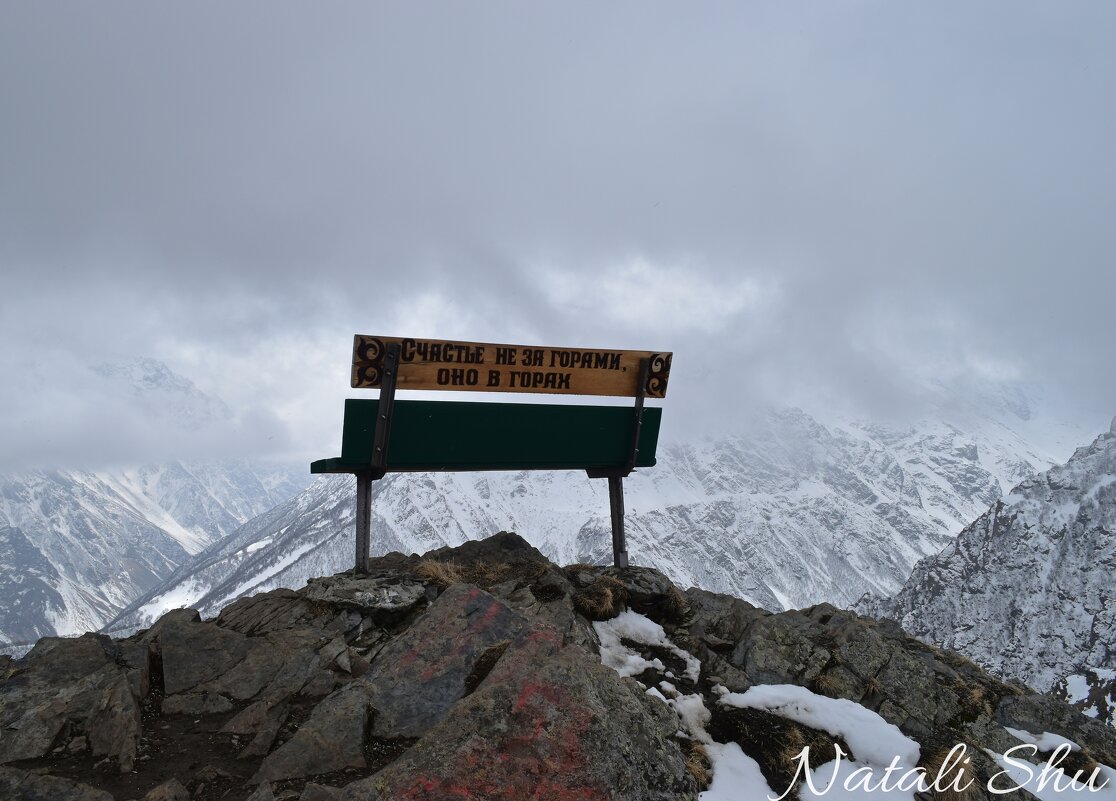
(616, 502)
(363, 520)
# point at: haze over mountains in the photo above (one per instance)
(76, 546)
(790, 513)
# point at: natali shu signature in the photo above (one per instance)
(954, 774)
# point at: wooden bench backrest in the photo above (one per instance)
(445, 436)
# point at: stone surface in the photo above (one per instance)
(170, 790)
(21, 785)
(332, 739)
(196, 704)
(70, 685)
(418, 676)
(194, 653)
(548, 722)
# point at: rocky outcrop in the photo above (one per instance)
(1026, 590)
(477, 673)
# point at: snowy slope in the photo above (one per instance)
(1026, 590)
(792, 513)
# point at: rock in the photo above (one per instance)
(419, 675)
(266, 732)
(548, 723)
(70, 685)
(502, 547)
(171, 790)
(332, 739)
(114, 727)
(22, 785)
(262, 793)
(384, 599)
(194, 653)
(277, 665)
(196, 704)
(319, 792)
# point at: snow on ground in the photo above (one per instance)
(883, 754)
(872, 739)
(883, 763)
(637, 628)
(1046, 741)
(1049, 785)
(736, 775)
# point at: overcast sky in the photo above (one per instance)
(827, 204)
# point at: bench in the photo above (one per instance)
(383, 435)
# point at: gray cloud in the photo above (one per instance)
(814, 204)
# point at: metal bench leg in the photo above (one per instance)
(616, 502)
(363, 520)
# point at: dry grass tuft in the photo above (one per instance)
(873, 687)
(441, 574)
(825, 684)
(484, 574)
(699, 765)
(790, 746)
(980, 700)
(601, 600)
(960, 775)
(676, 606)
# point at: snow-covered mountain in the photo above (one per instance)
(791, 513)
(1027, 589)
(77, 546)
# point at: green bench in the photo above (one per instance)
(383, 435)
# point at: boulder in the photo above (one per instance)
(22, 785)
(70, 686)
(332, 739)
(547, 722)
(170, 790)
(417, 677)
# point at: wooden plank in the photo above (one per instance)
(444, 436)
(484, 367)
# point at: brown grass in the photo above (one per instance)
(793, 741)
(961, 775)
(825, 684)
(873, 687)
(979, 699)
(676, 606)
(699, 765)
(441, 574)
(601, 600)
(483, 574)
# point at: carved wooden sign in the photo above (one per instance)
(441, 364)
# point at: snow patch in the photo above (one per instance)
(638, 628)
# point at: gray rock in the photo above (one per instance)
(262, 793)
(384, 599)
(196, 704)
(319, 792)
(194, 653)
(266, 732)
(549, 722)
(170, 790)
(73, 685)
(332, 739)
(114, 727)
(22, 785)
(418, 676)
